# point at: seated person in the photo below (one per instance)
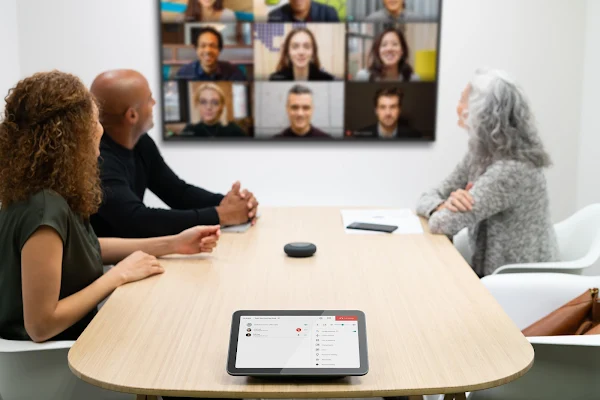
(300, 109)
(210, 100)
(498, 191)
(52, 261)
(392, 11)
(209, 44)
(304, 11)
(388, 59)
(390, 124)
(130, 163)
(300, 58)
(208, 11)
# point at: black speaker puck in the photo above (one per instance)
(299, 249)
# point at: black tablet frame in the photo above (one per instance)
(298, 372)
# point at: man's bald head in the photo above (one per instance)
(125, 101)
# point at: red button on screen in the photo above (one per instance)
(346, 318)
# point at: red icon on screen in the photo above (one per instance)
(346, 318)
(298, 330)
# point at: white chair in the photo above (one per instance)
(565, 367)
(461, 242)
(31, 370)
(579, 243)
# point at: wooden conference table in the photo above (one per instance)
(432, 327)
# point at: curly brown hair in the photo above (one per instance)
(47, 142)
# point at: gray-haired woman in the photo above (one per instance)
(498, 191)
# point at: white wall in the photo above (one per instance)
(535, 40)
(9, 66)
(588, 183)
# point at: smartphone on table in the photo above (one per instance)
(372, 227)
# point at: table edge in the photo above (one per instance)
(302, 394)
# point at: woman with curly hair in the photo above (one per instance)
(498, 191)
(51, 276)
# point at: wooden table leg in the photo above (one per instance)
(145, 397)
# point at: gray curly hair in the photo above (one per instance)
(501, 123)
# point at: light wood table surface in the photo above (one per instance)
(432, 327)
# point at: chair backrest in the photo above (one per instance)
(579, 235)
(41, 371)
(24, 346)
(527, 297)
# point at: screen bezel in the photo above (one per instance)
(362, 346)
(336, 142)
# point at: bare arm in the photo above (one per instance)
(41, 264)
(199, 239)
(45, 316)
(116, 249)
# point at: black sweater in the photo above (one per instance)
(126, 174)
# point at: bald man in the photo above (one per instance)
(130, 163)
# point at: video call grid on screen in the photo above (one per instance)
(341, 70)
